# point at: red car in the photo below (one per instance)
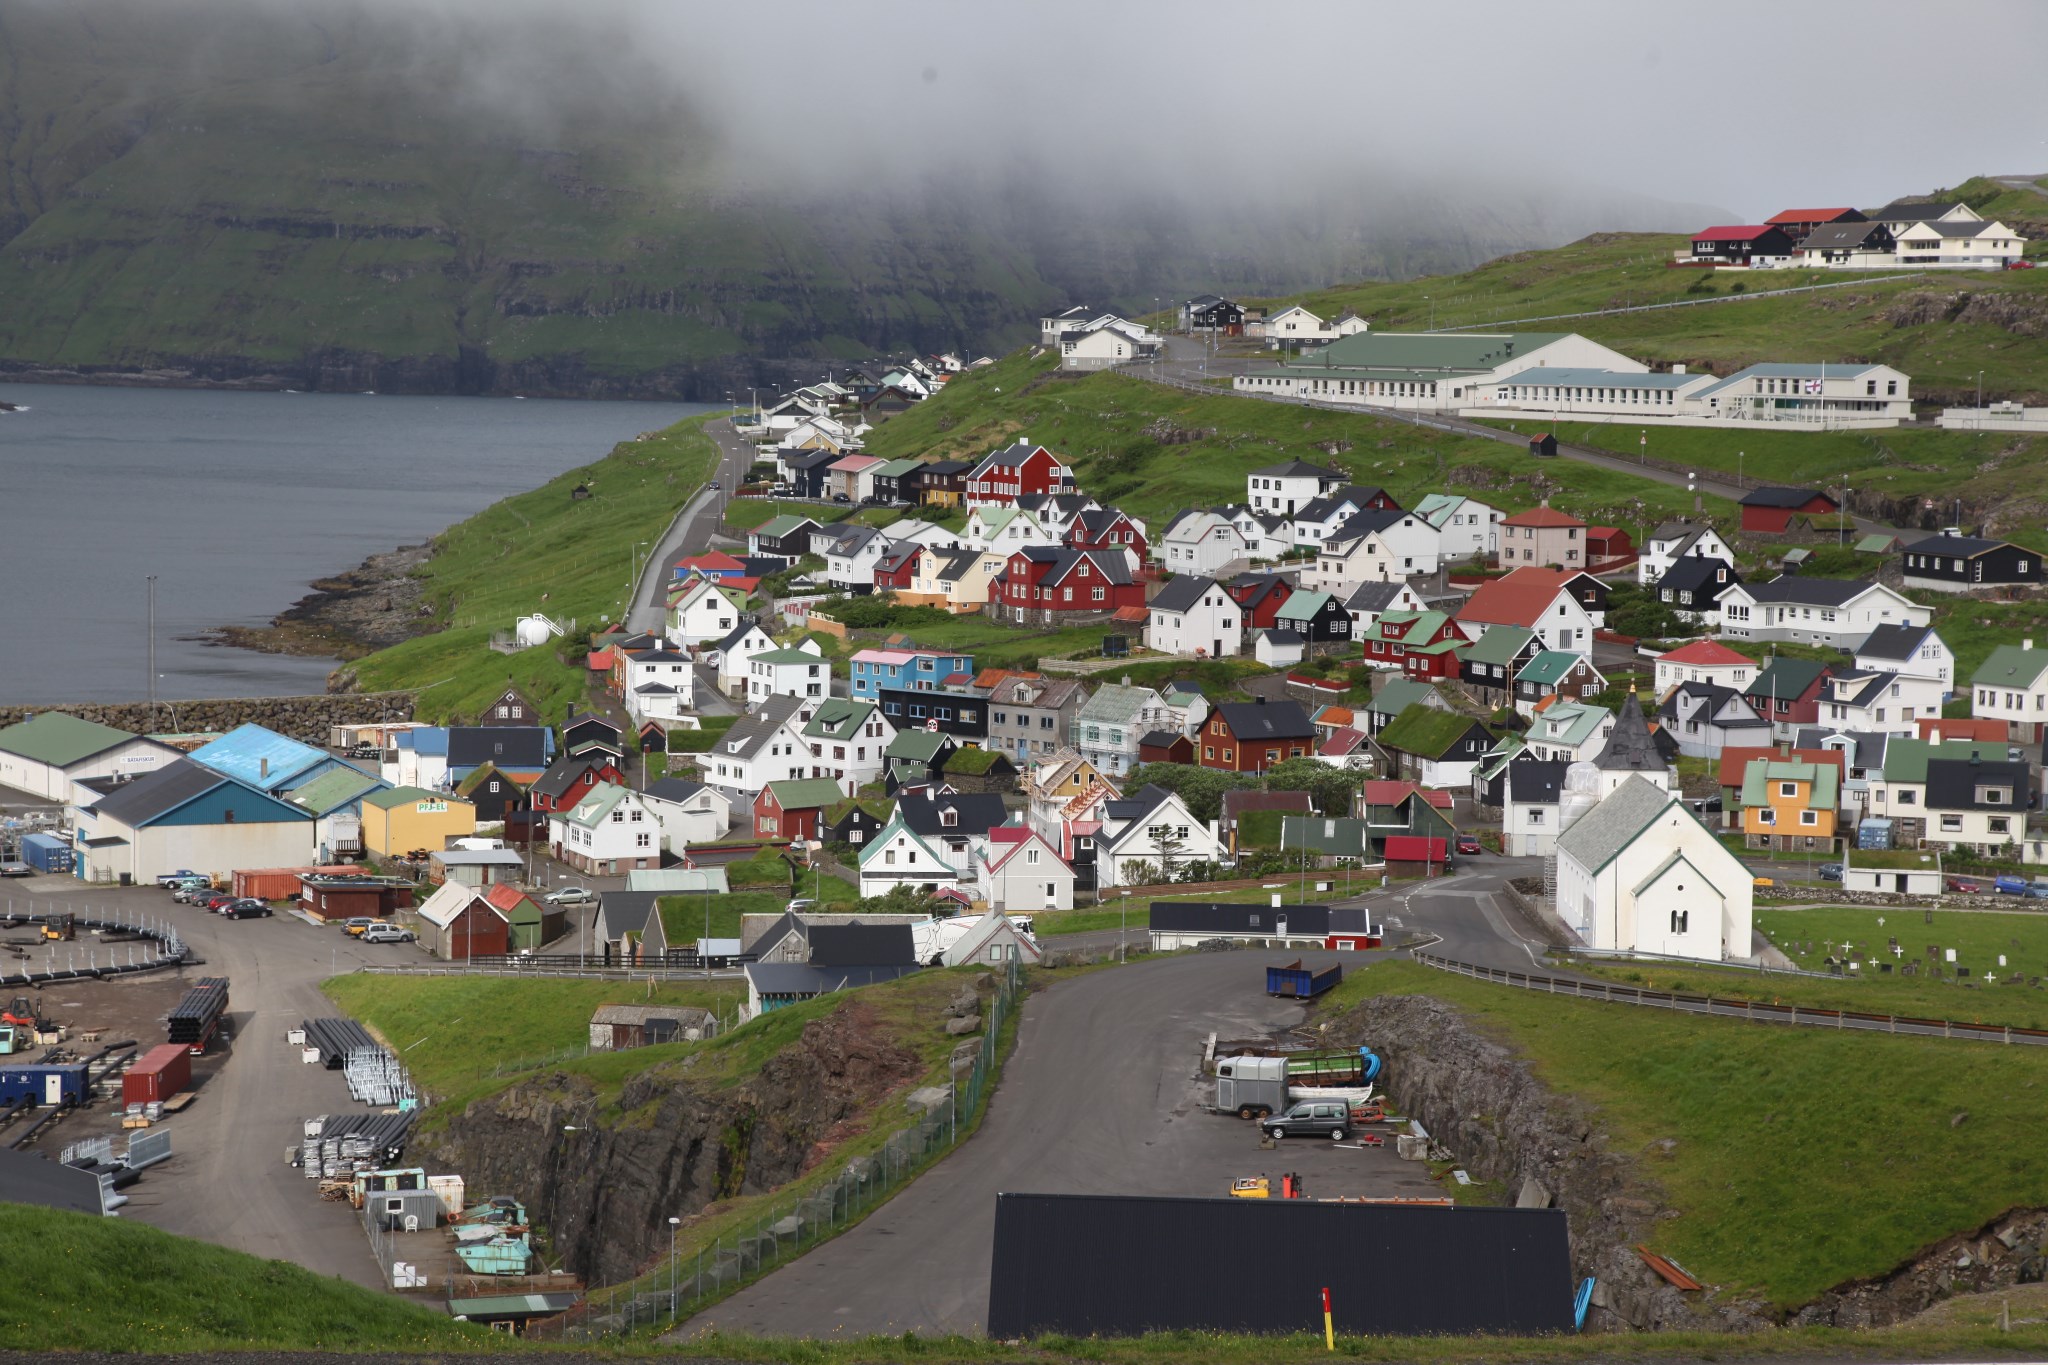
(1964, 884)
(215, 901)
(2019, 265)
(1469, 843)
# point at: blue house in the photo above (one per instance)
(264, 759)
(187, 815)
(922, 670)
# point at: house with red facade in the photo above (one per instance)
(1773, 510)
(1249, 737)
(1051, 585)
(1001, 477)
(1261, 595)
(1424, 645)
(794, 808)
(569, 779)
(1105, 528)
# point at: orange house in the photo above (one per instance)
(1790, 804)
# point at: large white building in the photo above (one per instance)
(1838, 612)
(1832, 397)
(1638, 872)
(46, 753)
(1426, 371)
(185, 815)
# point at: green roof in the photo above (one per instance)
(1551, 667)
(889, 831)
(1498, 645)
(839, 718)
(1878, 545)
(1899, 859)
(337, 787)
(1342, 838)
(2008, 666)
(1759, 773)
(405, 796)
(1115, 704)
(1786, 678)
(1397, 696)
(596, 804)
(1302, 606)
(1905, 760)
(920, 745)
(971, 762)
(1580, 721)
(801, 793)
(777, 527)
(60, 740)
(896, 469)
(880, 808)
(1425, 730)
(789, 654)
(1402, 354)
(1440, 647)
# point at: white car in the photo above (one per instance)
(571, 895)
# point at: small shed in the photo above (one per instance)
(1415, 855)
(399, 1200)
(459, 922)
(530, 925)
(350, 897)
(1898, 871)
(614, 1028)
(1544, 446)
(474, 866)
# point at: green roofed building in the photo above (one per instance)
(1428, 371)
(46, 753)
(1436, 748)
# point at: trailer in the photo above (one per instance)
(198, 1014)
(1296, 982)
(1253, 1087)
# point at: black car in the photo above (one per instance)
(246, 908)
(1311, 1118)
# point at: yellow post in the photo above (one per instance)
(1329, 1330)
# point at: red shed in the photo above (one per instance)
(1773, 509)
(1415, 854)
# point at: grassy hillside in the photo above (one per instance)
(1802, 1158)
(1154, 450)
(80, 1283)
(541, 551)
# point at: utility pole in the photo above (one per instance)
(151, 580)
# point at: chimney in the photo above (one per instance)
(1679, 368)
(1934, 735)
(263, 765)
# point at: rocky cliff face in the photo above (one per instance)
(677, 1145)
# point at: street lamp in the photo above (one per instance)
(1432, 311)
(673, 1224)
(1842, 519)
(1738, 468)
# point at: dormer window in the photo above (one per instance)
(948, 818)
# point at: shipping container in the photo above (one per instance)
(46, 852)
(44, 1084)
(1296, 982)
(449, 1188)
(158, 1074)
(282, 883)
(1874, 833)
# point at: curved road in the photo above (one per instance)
(692, 529)
(1102, 1096)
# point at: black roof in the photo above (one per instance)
(513, 746)
(1774, 496)
(561, 775)
(1842, 236)
(1137, 805)
(1898, 211)
(978, 812)
(1812, 592)
(1537, 779)
(1253, 919)
(862, 945)
(581, 718)
(1374, 596)
(1697, 571)
(1266, 720)
(1894, 641)
(674, 789)
(1183, 592)
(154, 794)
(945, 467)
(1962, 547)
(1952, 784)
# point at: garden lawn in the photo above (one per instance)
(1801, 1158)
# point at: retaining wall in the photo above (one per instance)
(303, 718)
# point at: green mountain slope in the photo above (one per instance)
(321, 197)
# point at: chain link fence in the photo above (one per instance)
(698, 1274)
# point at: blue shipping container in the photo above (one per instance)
(51, 1084)
(46, 852)
(1295, 981)
(1874, 834)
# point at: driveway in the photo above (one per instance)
(692, 529)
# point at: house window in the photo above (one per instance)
(1807, 817)
(1788, 789)
(1679, 920)
(1951, 824)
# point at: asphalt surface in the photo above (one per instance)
(1102, 1096)
(692, 529)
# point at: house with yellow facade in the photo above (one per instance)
(403, 819)
(955, 578)
(1790, 804)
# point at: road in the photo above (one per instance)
(1101, 1096)
(692, 529)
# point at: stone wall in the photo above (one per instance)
(303, 718)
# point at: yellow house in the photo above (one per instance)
(955, 578)
(1063, 778)
(407, 818)
(1789, 803)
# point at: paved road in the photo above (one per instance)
(692, 529)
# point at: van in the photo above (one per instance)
(1312, 1118)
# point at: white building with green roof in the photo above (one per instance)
(46, 753)
(799, 670)
(2011, 685)
(1425, 371)
(610, 831)
(1639, 873)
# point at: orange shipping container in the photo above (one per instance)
(282, 883)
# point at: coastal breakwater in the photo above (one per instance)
(307, 719)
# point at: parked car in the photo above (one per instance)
(713, 485)
(181, 874)
(16, 870)
(841, 497)
(214, 900)
(1963, 884)
(1830, 872)
(2037, 891)
(2010, 886)
(388, 933)
(355, 927)
(2019, 265)
(192, 883)
(1469, 843)
(570, 895)
(192, 895)
(1312, 1118)
(247, 909)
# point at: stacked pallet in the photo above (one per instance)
(336, 1146)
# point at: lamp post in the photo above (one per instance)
(151, 580)
(1431, 301)
(1980, 389)
(1842, 520)
(1738, 469)
(673, 1224)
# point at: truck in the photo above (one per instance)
(1296, 982)
(1253, 1087)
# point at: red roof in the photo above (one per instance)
(1807, 216)
(1442, 800)
(599, 661)
(1414, 848)
(1740, 233)
(1602, 532)
(1140, 615)
(1704, 653)
(1734, 761)
(1388, 793)
(1518, 598)
(717, 560)
(1963, 727)
(504, 897)
(1543, 516)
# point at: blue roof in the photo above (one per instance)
(424, 739)
(261, 758)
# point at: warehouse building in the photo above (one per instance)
(401, 819)
(44, 754)
(187, 815)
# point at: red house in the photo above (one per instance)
(1165, 746)
(1608, 547)
(1261, 595)
(569, 779)
(1798, 224)
(1105, 528)
(1000, 478)
(1424, 645)
(1772, 510)
(895, 569)
(463, 922)
(793, 808)
(1051, 585)
(1249, 737)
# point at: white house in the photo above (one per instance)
(1846, 395)
(1912, 652)
(1837, 612)
(1675, 540)
(705, 611)
(899, 856)
(1104, 347)
(2012, 685)
(1193, 615)
(766, 745)
(846, 740)
(1466, 528)
(730, 656)
(1531, 789)
(993, 938)
(1294, 325)
(1874, 701)
(850, 555)
(1569, 731)
(1201, 542)
(1278, 647)
(1149, 833)
(1017, 870)
(799, 670)
(1367, 602)
(661, 683)
(1703, 661)
(1538, 598)
(995, 526)
(1957, 244)
(688, 812)
(1281, 488)
(611, 830)
(46, 753)
(1638, 872)
(1375, 546)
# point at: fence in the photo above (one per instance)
(1805, 1016)
(124, 943)
(676, 965)
(698, 1275)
